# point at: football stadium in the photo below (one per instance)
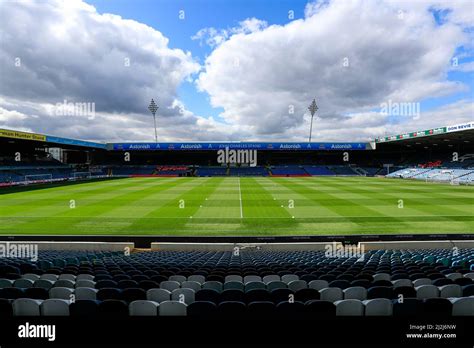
(172, 176)
(301, 190)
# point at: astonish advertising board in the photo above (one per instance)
(237, 146)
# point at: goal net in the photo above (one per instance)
(81, 175)
(38, 177)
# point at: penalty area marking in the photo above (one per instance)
(303, 218)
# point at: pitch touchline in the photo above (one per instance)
(251, 217)
(240, 201)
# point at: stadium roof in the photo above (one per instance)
(13, 134)
(185, 146)
(468, 126)
(446, 133)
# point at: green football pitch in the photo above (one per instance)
(234, 206)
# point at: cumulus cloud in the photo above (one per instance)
(214, 37)
(114, 127)
(59, 51)
(351, 55)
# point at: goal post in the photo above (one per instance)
(81, 175)
(38, 177)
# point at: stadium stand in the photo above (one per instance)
(212, 171)
(172, 170)
(129, 170)
(318, 170)
(291, 170)
(370, 171)
(427, 158)
(435, 175)
(248, 171)
(220, 283)
(343, 170)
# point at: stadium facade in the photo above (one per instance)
(444, 154)
(29, 157)
(394, 276)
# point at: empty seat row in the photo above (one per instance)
(393, 263)
(273, 269)
(310, 309)
(235, 284)
(54, 277)
(216, 295)
(45, 283)
(231, 284)
(58, 307)
(422, 292)
(292, 285)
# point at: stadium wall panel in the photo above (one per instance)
(82, 246)
(432, 244)
(243, 246)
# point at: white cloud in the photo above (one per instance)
(65, 50)
(263, 76)
(351, 55)
(69, 51)
(214, 37)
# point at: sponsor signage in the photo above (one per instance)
(412, 135)
(237, 146)
(460, 127)
(428, 132)
(6, 133)
(21, 135)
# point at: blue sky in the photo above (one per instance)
(163, 15)
(249, 75)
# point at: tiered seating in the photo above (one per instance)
(406, 173)
(466, 161)
(7, 176)
(371, 171)
(10, 174)
(30, 161)
(439, 175)
(171, 170)
(467, 179)
(132, 170)
(211, 171)
(248, 171)
(297, 284)
(318, 170)
(342, 170)
(427, 175)
(432, 164)
(447, 175)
